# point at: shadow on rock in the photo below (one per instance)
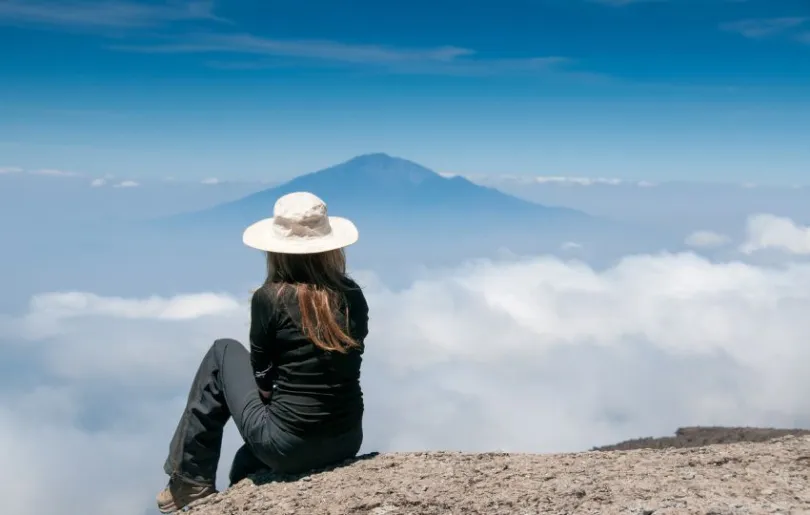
(261, 475)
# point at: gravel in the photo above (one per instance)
(738, 478)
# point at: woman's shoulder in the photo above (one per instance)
(350, 284)
(354, 292)
(267, 297)
(264, 293)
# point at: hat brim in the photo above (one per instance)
(261, 236)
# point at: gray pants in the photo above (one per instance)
(224, 388)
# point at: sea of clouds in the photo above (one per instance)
(534, 354)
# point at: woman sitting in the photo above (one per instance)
(296, 397)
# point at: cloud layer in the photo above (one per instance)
(707, 239)
(770, 232)
(533, 355)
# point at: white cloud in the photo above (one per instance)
(86, 353)
(211, 180)
(101, 181)
(66, 315)
(530, 355)
(51, 172)
(127, 184)
(77, 457)
(707, 239)
(765, 231)
(182, 307)
(10, 169)
(571, 245)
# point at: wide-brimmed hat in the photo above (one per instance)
(300, 225)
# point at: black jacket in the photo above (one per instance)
(313, 392)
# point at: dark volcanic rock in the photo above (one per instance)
(700, 436)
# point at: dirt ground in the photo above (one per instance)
(738, 478)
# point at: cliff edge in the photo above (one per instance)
(738, 478)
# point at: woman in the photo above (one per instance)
(296, 397)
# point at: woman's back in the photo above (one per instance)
(314, 391)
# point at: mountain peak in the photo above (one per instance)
(379, 158)
(379, 167)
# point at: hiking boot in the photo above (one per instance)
(178, 494)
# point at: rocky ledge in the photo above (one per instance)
(738, 478)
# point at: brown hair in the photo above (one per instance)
(318, 280)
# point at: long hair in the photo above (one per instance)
(318, 280)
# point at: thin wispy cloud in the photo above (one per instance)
(101, 181)
(622, 3)
(445, 59)
(578, 181)
(127, 184)
(560, 180)
(9, 169)
(765, 27)
(52, 172)
(104, 14)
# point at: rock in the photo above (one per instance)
(700, 436)
(720, 479)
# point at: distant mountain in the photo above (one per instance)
(409, 217)
(701, 436)
(380, 191)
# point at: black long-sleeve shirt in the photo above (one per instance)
(312, 391)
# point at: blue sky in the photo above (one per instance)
(247, 89)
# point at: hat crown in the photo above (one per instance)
(300, 225)
(300, 215)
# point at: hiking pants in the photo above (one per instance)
(224, 387)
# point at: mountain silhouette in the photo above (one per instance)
(380, 190)
(408, 216)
